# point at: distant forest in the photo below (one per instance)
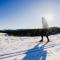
(31, 32)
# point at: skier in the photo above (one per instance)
(44, 31)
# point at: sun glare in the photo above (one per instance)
(49, 17)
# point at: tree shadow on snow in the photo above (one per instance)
(36, 53)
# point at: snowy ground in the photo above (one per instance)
(28, 48)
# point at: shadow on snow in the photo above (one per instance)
(36, 53)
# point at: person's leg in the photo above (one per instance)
(47, 38)
(41, 39)
(47, 35)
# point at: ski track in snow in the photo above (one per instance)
(28, 48)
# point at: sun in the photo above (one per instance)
(49, 17)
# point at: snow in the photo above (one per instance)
(28, 48)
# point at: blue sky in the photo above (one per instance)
(19, 14)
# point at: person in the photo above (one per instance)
(44, 31)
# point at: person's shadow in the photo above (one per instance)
(36, 53)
